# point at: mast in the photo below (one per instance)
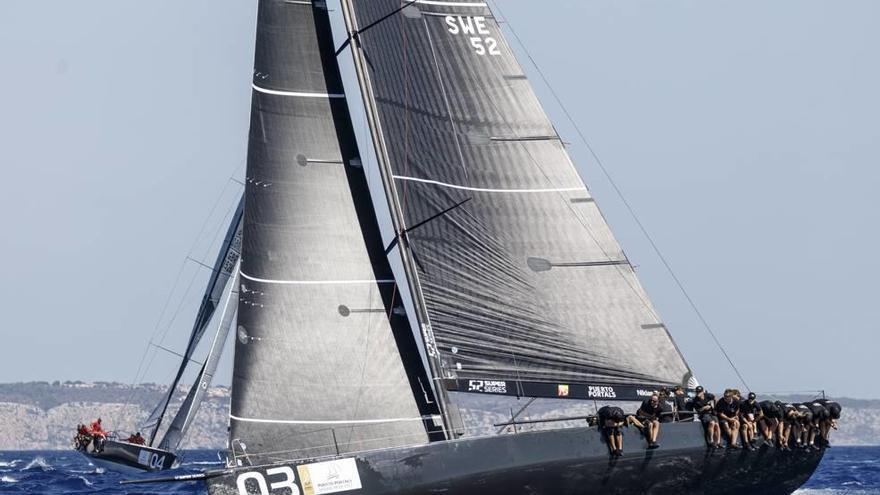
(400, 231)
(185, 415)
(224, 268)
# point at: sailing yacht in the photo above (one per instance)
(513, 287)
(160, 452)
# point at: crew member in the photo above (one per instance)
(681, 403)
(790, 425)
(728, 412)
(834, 411)
(611, 418)
(703, 404)
(649, 415)
(99, 436)
(768, 420)
(748, 414)
(808, 426)
(666, 408)
(83, 437)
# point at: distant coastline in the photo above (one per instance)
(42, 415)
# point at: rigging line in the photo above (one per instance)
(174, 286)
(354, 34)
(619, 193)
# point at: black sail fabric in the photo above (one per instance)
(318, 366)
(523, 280)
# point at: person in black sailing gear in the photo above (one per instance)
(666, 408)
(805, 424)
(834, 411)
(611, 419)
(748, 415)
(790, 425)
(681, 403)
(728, 415)
(768, 420)
(649, 415)
(703, 404)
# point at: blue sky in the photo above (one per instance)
(745, 135)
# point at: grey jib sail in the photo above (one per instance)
(186, 413)
(317, 365)
(222, 271)
(519, 275)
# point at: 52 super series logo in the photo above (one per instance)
(476, 29)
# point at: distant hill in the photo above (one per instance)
(42, 415)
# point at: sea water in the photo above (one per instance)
(844, 470)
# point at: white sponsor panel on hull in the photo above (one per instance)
(329, 477)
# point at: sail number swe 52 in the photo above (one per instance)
(476, 30)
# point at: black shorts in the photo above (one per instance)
(610, 430)
(708, 418)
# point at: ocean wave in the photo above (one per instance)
(202, 463)
(40, 463)
(8, 479)
(9, 463)
(836, 491)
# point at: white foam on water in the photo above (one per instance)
(833, 491)
(8, 479)
(87, 482)
(9, 463)
(39, 463)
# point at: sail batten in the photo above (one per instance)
(524, 284)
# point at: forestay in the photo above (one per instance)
(524, 287)
(222, 271)
(318, 368)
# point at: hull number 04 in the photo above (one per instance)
(476, 30)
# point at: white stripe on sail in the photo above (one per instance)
(315, 282)
(482, 189)
(451, 4)
(315, 422)
(297, 93)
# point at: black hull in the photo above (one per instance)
(559, 462)
(130, 458)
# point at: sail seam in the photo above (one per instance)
(483, 189)
(301, 94)
(315, 282)
(451, 4)
(328, 422)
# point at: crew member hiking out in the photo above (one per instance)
(681, 402)
(611, 419)
(748, 414)
(649, 415)
(728, 412)
(99, 435)
(768, 420)
(703, 404)
(834, 411)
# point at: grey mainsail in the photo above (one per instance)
(521, 284)
(222, 271)
(184, 417)
(319, 360)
